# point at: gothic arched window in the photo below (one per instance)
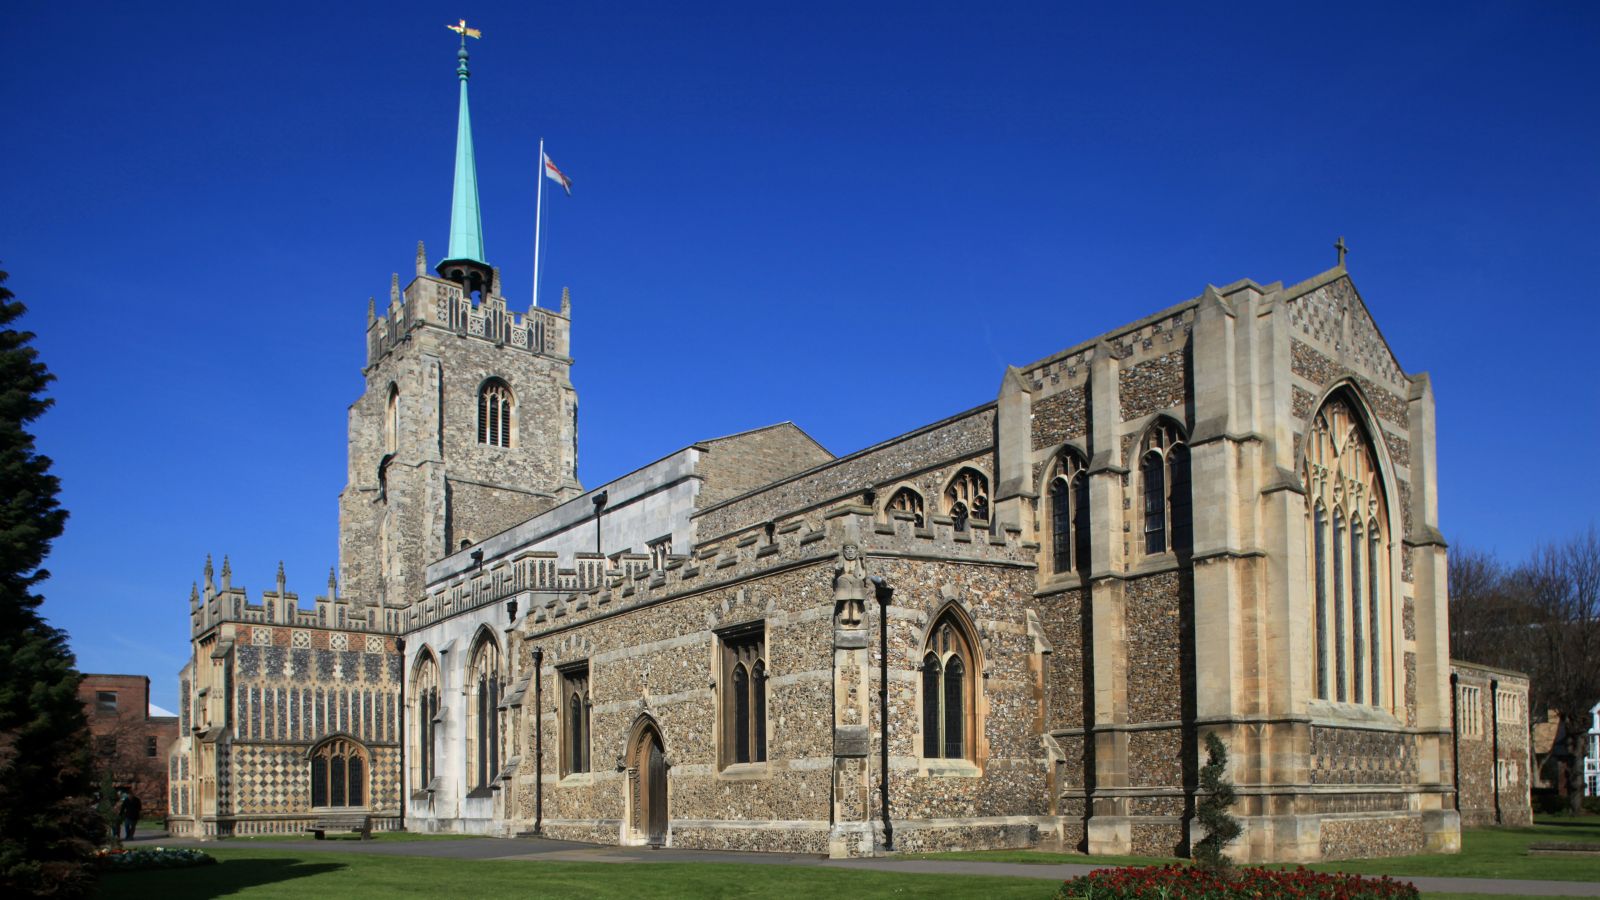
(967, 497)
(425, 709)
(1349, 547)
(949, 702)
(483, 710)
(908, 501)
(1165, 490)
(1069, 514)
(743, 690)
(391, 420)
(495, 407)
(575, 706)
(339, 773)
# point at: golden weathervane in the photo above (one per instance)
(465, 32)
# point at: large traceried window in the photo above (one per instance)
(483, 708)
(1069, 514)
(495, 408)
(743, 694)
(1165, 490)
(1348, 545)
(949, 701)
(909, 502)
(425, 712)
(575, 707)
(339, 773)
(967, 497)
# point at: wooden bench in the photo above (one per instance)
(354, 822)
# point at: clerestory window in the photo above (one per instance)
(1164, 480)
(967, 498)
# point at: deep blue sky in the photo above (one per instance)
(849, 215)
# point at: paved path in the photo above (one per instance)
(542, 850)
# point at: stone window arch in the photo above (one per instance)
(425, 713)
(496, 413)
(742, 693)
(907, 500)
(339, 767)
(484, 685)
(1068, 496)
(1348, 541)
(391, 420)
(966, 497)
(576, 707)
(949, 689)
(1165, 495)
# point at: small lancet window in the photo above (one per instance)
(575, 724)
(484, 706)
(425, 700)
(495, 407)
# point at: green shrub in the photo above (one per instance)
(1217, 795)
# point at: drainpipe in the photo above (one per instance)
(538, 741)
(1455, 738)
(599, 501)
(884, 594)
(1494, 741)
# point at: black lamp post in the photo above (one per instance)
(884, 594)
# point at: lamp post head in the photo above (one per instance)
(511, 610)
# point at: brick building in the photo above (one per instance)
(1491, 743)
(1011, 627)
(131, 738)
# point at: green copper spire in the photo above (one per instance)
(466, 223)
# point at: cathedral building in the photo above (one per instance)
(1011, 627)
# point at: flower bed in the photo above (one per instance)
(152, 858)
(1179, 882)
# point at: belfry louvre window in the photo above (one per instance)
(967, 497)
(949, 719)
(495, 405)
(1469, 710)
(1164, 480)
(742, 694)
(339, 774)
(1348, 546)
(909, 502)
(1069, 515)
(575, 707)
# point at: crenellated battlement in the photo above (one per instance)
(434, 302)
(596, 584)
(211, 604)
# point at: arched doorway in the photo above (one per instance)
(647, 785)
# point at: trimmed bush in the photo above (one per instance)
(152, 858)
(1178, 882)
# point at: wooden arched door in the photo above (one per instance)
(648, 773)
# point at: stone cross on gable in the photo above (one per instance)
(1340, 246)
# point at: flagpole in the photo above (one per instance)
(538, 218)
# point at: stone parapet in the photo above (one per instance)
(437, 303)
(212, 605)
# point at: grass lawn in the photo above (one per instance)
(263, 873)
(1495, 853)
(1485, 853)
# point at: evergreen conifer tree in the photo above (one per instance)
(48, 826)
(1216, 795)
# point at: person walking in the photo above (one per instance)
(131, 806)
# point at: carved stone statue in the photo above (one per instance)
(850, 586)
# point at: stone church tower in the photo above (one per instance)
(468, 423)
